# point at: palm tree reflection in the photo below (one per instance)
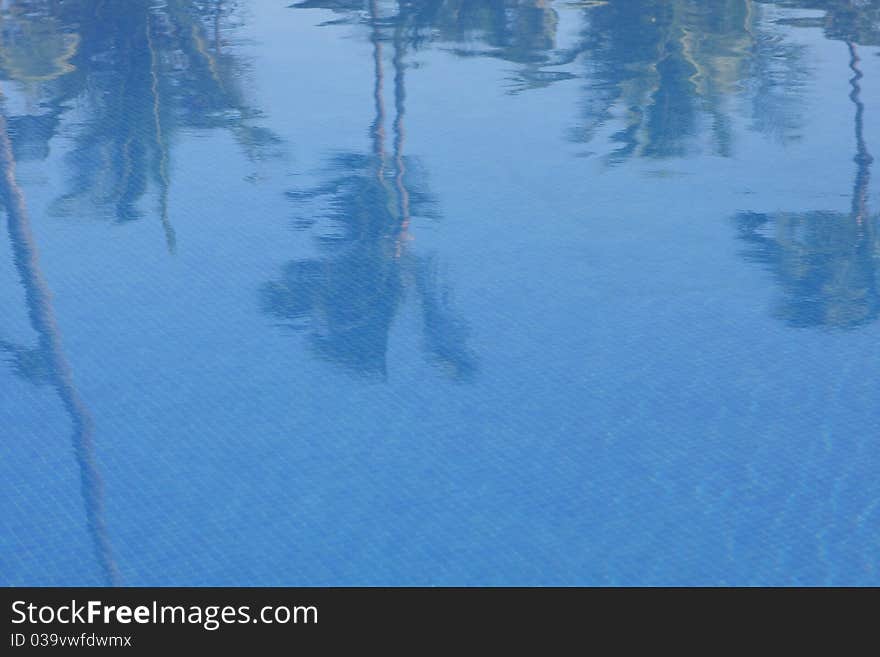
(666, 74)
(349, 299)
(827, 263)
(139, 72)
(47, 362)
(522, 32)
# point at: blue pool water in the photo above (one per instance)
(439, 292)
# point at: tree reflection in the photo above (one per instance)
(857, 21)
(34, 49)
(348, 299)
(47, 363)
(34, 46)
(666, 73)
(827, 263)
(661, 75)
(137, 73)
(522, 32)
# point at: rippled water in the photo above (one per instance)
(439, 292)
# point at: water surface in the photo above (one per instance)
(439, 292)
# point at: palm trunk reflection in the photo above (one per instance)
(349, 299)
(863, 158)
(42, 317)
(826, 262)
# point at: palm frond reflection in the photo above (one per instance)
(348, 299)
